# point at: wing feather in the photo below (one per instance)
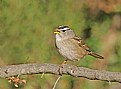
(82, 43)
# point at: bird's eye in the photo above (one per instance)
(63, 30)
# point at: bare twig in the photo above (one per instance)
(56, 82)
(24, 69)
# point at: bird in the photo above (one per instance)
(70, 46)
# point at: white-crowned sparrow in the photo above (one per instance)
(71, 46)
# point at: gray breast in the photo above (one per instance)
(69, 49)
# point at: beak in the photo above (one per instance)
(57, 31)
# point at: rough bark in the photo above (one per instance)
(26, 69)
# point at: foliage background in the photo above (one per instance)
(26, 36)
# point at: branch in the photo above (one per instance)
(24, 69)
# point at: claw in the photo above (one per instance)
(61, 67)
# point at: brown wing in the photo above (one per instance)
(82, 43)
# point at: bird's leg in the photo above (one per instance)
(61, 66)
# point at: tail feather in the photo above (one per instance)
(95, 55)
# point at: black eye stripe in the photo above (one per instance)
(62, 27)
(64, 30)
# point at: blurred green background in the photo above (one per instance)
(26, 36)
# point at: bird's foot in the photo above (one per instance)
(61, 67)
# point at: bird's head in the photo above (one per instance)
(63, 32)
